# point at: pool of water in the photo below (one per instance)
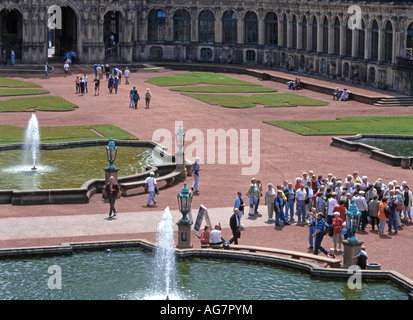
(395, 147)
(70, 168)
(128, 274)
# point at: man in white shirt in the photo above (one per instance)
(361, 204)
(331, 203)
(151, 185)
(301, 195)
(126, 73)
(215, 235)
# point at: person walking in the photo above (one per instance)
(97, 84)
(252, 195)
(116, 84)
(12, 56)
(148, 97)
(269, 201)
(126, 73)
(196, 174)
(85, 80)
(82, 86)
(234, 224)
(110, 84)
(131, 102)
(136, 98)
(240, 205)
(46, 70)
(319, 235)
(312, 226)
(151, 185)
(112, 190)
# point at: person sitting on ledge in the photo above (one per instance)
(290, 85)
(336, 94)
(297, 84)
(345, 95)
(215, 237)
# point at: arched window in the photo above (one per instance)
(229, 27)
(284, 31)
(325, 35)
(336, 49)
(304, 34)
(388, 42)
(206, 27)
(314, 35)
(182, 26)
(375, 41)
(409, 39)
(294, 33)
(361, 40)
(156, 26)
(271, 29)
(251, 28)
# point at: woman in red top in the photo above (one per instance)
(337, 229)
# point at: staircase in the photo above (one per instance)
(112, 54)
(404, 101)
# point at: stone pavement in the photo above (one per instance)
(283, 155)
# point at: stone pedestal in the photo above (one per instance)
(108, 174)
(180, 164)
(184, 235)
(350, 250)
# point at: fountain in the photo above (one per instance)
(31, 142)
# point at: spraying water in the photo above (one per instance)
(32, 142)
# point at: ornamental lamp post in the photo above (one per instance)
(180, 155)
(353, 216)
(111, 153)
(184, 224)
(352, 245)
(180, 139)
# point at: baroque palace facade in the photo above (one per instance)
(313, 37)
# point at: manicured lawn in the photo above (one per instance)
(13, 83)
(224, 89)
(402, 125)
(47, 103)
(13, 134)
(268, 100)
(20, 92)
(195, 78)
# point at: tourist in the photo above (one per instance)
(336, 94)
(112, 190)
(309, 198)
(258, 194)
(407, 203)
(337, 230)
(312, 226)
(46, 70)
(269, 201)
(12, 56)
(66, 68)
(362, 258)
(345, 95)
(251, 194)
(331, 254)
(77, 84)
(73, 56)
(136, 98)
(320, 202)
(151, 185)
(234, 224)
(107, 71)
(240, 205)
(341, 209)
(97, 84)
(4, 54)
(362, 206)
(205, 234)
(196, 174)
(82, 86)
(215, 237)
(85, 80)
(120, 76)
(331, 204)
(289, 192)
(99, 71)
(116, 84)
(95, 66)
(392, 220)
(319, 235)
(374, 211)
(279, 209)
(127, 75)
(301, 195)
(131, 101)
(110, 84)
(148, 97)
(382, 215)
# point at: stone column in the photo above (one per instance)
(184, 235)
(350, 250)
(108, 174)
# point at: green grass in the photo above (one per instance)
(224, 89)
(13, 134)
(47, 103)
(13, 83)
(268, 100)
(20, 92)
(195, 78)
(402, 125)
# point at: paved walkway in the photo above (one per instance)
(282, 155)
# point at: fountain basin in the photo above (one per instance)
(90, 272)
(157, 159)
(395, 150)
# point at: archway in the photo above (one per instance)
(64, 39)
(11, 32)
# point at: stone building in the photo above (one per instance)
(360, 42)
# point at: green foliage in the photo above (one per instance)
(45, 103)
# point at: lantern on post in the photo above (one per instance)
(184, 224)
(111, 152)
(353, 216)
(180, 139)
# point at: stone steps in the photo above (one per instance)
(395, 102)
